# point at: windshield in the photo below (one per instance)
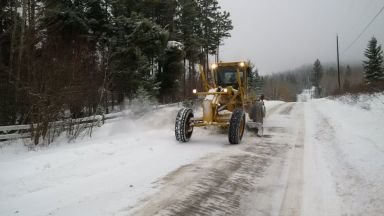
(226, 76)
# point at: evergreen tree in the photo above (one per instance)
(188, 29)
(173, 68)
(215, 27)
(255, 81)
(136, 40)
(161, 12)
(317, 73)
(348, 71)
(221, 30)
(373, 66)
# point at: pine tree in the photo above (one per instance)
(188, 28)
(136, 41)
(373, 67)
(348, 71)
(222, 29)
(317, 73)
(215, 26)
(255, 81)
(173, 69)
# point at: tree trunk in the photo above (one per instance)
(112, 100)
(31, 36)
(185, 71)
(217, 55)
(207, 70)
(22, 38)
(13, 42)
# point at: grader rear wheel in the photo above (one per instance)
(257, 112)
(236, 126)
(183, 129)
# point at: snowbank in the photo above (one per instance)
(370, 102)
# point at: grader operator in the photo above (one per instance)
(225, 103)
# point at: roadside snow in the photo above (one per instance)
(99, 175)
(344, 156)
(270, 104)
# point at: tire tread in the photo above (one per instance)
(180, 126)
(234, 135)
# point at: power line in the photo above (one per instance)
(365, 29)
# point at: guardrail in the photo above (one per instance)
(24, 131)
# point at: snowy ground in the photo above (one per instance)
(97, 176)
(322, 157)
(344, 158)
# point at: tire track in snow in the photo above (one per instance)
(220, 183)
(293, 196)
(214, 185)
(274, 109)
(279, 192)
(287, 109)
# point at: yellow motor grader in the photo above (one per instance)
(226, 100)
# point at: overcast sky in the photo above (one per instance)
(279, 35)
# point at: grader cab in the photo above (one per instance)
(227, 99)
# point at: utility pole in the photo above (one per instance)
(338, 62)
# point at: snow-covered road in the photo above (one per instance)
(323, 157)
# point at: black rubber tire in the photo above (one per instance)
(236, 126)
(183, 130)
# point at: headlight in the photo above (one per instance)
(194, 91)
(225, 90)
(242, 64)
(214, 66)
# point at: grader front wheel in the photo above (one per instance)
(183, 129)
(236, 126)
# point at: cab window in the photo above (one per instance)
(226, 76)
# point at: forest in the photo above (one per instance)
(287, 84)
(75, 58)
(68, 59)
